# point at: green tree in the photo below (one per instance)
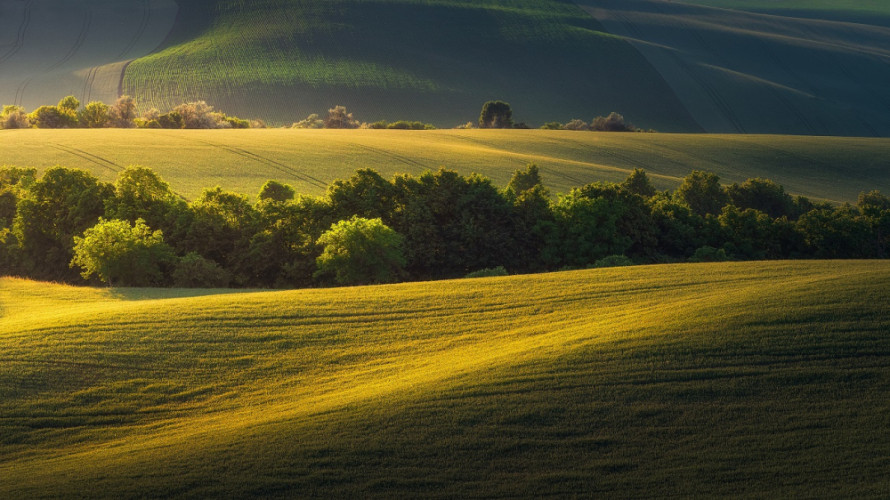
(523, 180)
(48, 117)
(638, 183)
(763, 195)
(365, 194)
(54, 209)
(122, 254)
(586, 231)
(95, 115)
(496, 114)
(452, 224)
(361, 251)
(276, 191)
(702, 192)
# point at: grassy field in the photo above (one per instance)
(829, 168)
(751, 380)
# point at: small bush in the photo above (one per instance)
(613, 261)
(194, 271)
(488, 273)
(709, 254)
(552, 126)
(576, 124)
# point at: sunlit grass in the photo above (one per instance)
(755, 379)
(835, 169)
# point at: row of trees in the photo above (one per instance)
(499, 114)
(68, 113)
(67, 225)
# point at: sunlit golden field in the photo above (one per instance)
(831, 168)
(754, 379)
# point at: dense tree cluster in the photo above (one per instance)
(67, 225)
(68, 113)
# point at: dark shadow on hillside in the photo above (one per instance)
(136, 294)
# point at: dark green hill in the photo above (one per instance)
(431, 60)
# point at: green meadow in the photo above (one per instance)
(829, 168)
(751, 380)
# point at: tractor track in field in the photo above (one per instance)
(88, 84)
(81, 38)
(281, 167)
(98, 160)
(140, 30)
(20, 35)
(554, 172)
(398, 157)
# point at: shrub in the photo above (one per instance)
(361, 251)
(709, 254)
(552, 126)
(117, 252)
(339, 118)
(576, 124)
(612, 123)
(14, 117)
(489, 272)
(194, 271)
(123, 113)
(311, 121)
(614, 261)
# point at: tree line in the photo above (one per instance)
(67, 225)
(68, 113)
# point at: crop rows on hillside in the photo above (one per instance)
(402, 59)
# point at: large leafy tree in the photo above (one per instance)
(122, 254)
(54, 209)
(496, 114)
(361, 251)
(702, 192)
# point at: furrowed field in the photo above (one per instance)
(829, 168)
(748, 379)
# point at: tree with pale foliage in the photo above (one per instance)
(14, 117)
(361, 251)
(123, 113)
(339, 118)
(123, 254)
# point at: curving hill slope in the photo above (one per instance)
(749, 379)
(796, 67)
(430, 60)
(53, 48)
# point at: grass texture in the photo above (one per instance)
(758, 380)
(836, 169)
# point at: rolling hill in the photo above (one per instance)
(829, 168)
(757, 380)
(802, 67)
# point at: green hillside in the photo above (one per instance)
(809, 67)
(750, 380)
(786, 67)
(830, 168)
(429, 60)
